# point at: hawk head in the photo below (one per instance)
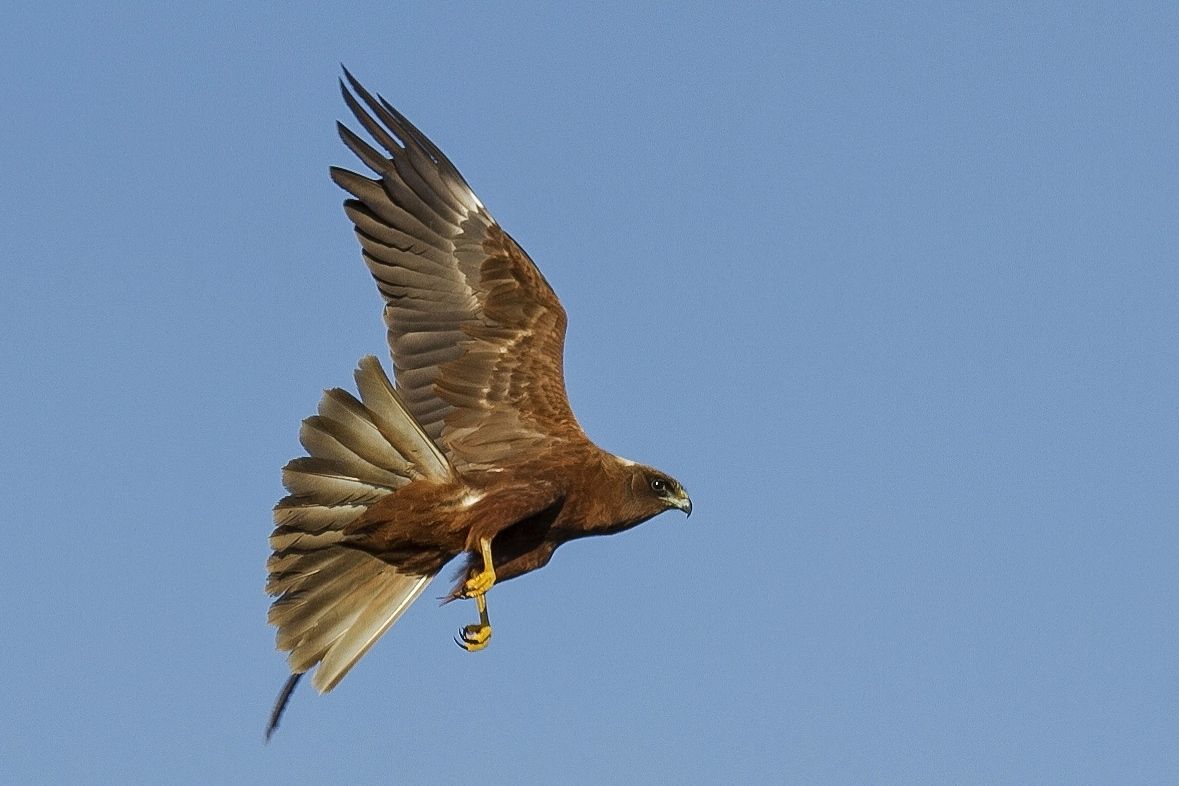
(651, 492)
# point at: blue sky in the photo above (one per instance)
(892, 291)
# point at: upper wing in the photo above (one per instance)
(476, 333)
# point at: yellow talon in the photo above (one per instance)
(473, 638)
(477, 585)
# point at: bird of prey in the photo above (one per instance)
(474, 452)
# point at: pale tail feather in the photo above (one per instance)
(334, 602)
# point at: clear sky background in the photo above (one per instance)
(892, 291)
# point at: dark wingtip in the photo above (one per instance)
(280, 703)
(348, 85)
(350, 79)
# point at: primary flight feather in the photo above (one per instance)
(474, 452)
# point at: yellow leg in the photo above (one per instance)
(473, 638)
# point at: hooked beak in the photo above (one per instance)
(684, 503)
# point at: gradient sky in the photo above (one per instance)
(893, 292)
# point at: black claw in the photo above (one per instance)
(468, 638)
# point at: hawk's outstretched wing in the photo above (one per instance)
(476, 332)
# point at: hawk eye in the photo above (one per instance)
(658, 484)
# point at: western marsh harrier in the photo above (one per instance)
(474, 451)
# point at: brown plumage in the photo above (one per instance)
(475, 451)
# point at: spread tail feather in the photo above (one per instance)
(334, 602)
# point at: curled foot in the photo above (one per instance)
(473, 638)
(478, 584)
